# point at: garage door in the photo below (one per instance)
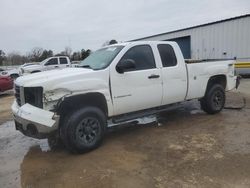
(185, 45)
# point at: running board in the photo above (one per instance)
(143, 113)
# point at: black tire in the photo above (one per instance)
(83, 130)
(55, 142)
(214, 100)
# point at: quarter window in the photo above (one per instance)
(142, 56)
(167, 54)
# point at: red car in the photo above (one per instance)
(6, 83)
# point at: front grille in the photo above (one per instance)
(17, 95)
(34, 96)
(31, 95)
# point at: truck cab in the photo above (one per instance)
(50, 63)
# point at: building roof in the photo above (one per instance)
(202, 25)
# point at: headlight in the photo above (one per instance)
(4, 73)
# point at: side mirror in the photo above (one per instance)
(124, 65)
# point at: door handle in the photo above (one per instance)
(56, 66)
(153, 76)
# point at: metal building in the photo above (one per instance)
(222, 39)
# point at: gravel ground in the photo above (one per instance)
(187, 149)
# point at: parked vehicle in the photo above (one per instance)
(6, 83)
(47, 64)
(75, 63)
(13, 73)
(114, 85)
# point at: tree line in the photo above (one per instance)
(38, 54)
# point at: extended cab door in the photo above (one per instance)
(63, 62)
(139, 88)
(51, 64)
(174, 73)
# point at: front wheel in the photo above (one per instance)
(83, 130)
(214, 99)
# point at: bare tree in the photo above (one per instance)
(76, 56)
(35, 54)
(14, 58)
(67, 51)
(2, 57)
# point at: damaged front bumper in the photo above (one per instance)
(34, 122)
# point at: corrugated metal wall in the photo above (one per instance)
(227, 39)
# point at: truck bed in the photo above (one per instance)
(200, 71)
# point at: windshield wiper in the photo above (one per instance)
(85, 66)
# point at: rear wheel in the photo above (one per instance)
(83, 130)
(214, 99)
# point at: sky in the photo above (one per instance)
(87, 24)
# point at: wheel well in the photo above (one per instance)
(70, 104)
(218, 79)
(35, 71)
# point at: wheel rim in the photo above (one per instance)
(218, 100)
(88, 130)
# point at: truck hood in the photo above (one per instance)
(32, 67)
(49, 78)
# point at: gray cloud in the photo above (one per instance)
(55, 24)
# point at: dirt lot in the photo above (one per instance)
(189, 149)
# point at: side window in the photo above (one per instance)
(53, 61)
(167, 54)
(142, 55)
(63, 60)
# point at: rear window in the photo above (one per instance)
(63, 60)
(167, 54)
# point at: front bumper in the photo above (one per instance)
(34, 122)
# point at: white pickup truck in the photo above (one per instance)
(116, 84)
(47, 64)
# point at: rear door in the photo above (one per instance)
(140, 88)
(174, 74)
(63, 62)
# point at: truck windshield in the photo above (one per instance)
(100, 59)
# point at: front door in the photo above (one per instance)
(51, 64)
(140, 88)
